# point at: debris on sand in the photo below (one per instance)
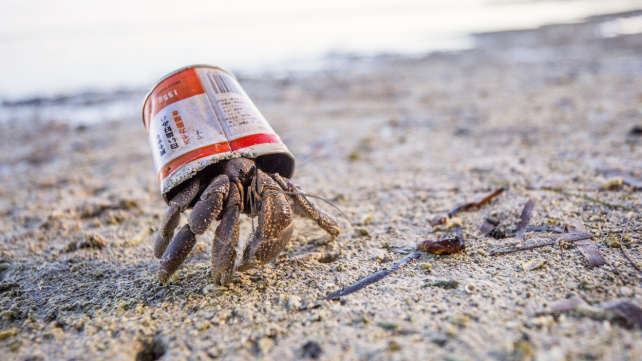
(513, 246)
(622, 308)
(586, 246)
(375, 277)
(467, 206)
(445, 246)
(88, 240)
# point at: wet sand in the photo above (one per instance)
(394, 143)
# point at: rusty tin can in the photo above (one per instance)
(199, 115)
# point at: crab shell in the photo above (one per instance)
(198, 116)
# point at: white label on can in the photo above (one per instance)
(238, 116)
(199, 116)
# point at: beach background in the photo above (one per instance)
(396, 111)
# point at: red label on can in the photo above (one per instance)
(175, 88)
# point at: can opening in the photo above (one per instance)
(281, 163)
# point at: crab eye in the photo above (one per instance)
(240, 170)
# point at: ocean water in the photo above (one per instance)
(48, 48)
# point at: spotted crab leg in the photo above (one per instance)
(274, 228)
(306, 208)
(207, 209)
(177, 205)
(226, 238)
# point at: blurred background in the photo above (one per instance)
(74, 46)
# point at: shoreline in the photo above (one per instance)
(346, 61)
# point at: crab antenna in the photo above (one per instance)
(317, 197)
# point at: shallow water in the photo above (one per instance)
(71, 46)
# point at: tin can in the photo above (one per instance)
(199, 115)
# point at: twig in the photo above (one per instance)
(565, 237)
(622, 247)
(377, 276)
(467, 206)
(544, 229)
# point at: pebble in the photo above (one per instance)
(625, 292)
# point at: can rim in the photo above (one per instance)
(149, 93)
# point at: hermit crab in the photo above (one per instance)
(215, 152)
(242, 188)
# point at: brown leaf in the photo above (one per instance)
(444, 246)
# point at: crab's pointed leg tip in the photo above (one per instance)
(163, 276)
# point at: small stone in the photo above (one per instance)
(366, 218)
(459, 320)
(209, 288)
(394, 346)
(265, 345)
(8, 333)
(533, 264)
(470, 287)
(204, 325)
(363, 232)
(453, 222)
(625, 292)
(425, 265)
(614, 183)
(311, 350)
(612, 241)
(213, 352)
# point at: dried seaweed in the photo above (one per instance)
(586, 246)
(525, 218)
(467, 206)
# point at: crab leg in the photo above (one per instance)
(307, 208)
(177, 205)
(205, 211)
(176, 253)
(210, 205)
(274, 225)
(226, 238)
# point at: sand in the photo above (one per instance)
(394, 143)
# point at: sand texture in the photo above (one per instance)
(394, 143)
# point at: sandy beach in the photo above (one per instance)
(553, 114)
